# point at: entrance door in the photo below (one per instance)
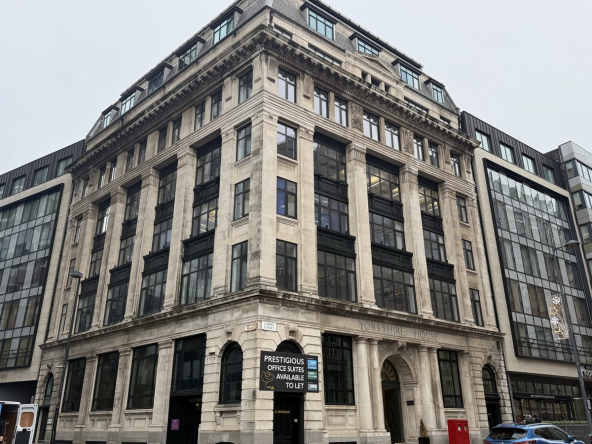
(42, 427)
(184, 420)
(493, 413)
(288, 427)
(391, 396)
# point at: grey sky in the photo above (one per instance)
(521, 65)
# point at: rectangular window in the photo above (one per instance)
(528, 163)
(338, 369)
(205, 217)
(433, 153)
(142, 152)
(132, 205)
(187, 57)
(286, 198)
(434, 245)
(321, 104)
(74, 383)
(208, 167)
(62, 320)
(468, 251)
(387, 232)
(573, 275)
(18, 185)
(507, 153)
(320, 24)
(162, 135)
(243, 143)
(241, 199)
(126, 250)
(113, 170)
(115, 304)
(450, 379)
(392, 136)
(200, 112)
(128, 103)
(581, 309)
(444, 300)
(586, 231)
(549, 173)
(337, 277)
(515, 295)
(287, 85)
(329, 162)
(152, 293)
(428, 201)
(245, 87)
(188, 370)
(394, 289)
(143, 377)
(371, 126)
(455, 164)
(529, 260)
(105, 381)
(341, 111)
(538, 303)
(382, 183)
(331, 214)
(196, 279)
(216, 105)
(95, 263)
(129, 163)
(84, 312)
(1, 191)
(177, 130)
(40, 176)
(162, 235)
(223, 29)
(367, 48)
(418, 148)
(155, 82)
(285, 265)
(240, 253)
(85, 186)
(523, 225)
(409, 77)
(102, 221)
(106, 119)
(437, 93)
(286, 141)
(323, 55)
(476, 306)
(508, 254)
(71, 268)
(484, 139)
(166, 187)
(461, 203)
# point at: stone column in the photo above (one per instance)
(162, 387)
(454, 250)
(182, 217)
(364, 402)
(377, 401)
(414, 238)
(359, 225)
(230, 93)
(262, 213)
(331, 106)
(121, 385)
(466, 383)
(427, 410)
(143, 241)
(437, 388)
(85, 243)
(87, 390)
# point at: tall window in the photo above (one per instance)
(331, 214)
(329, 162)
(241, 199)
(200, 112)
(166, 187)
(461, 203)
(115, 304)
(507, 153)
(468, 251)
(529, 261)
(489, 384)
(142, 152)
(287, 85)
(18, 185)
(433, 153)
(371, 126)
(74, 382)
(196, 279)
(105, 381)
(450, 379)
(216, 105)
(208, 167)
(95, 263)
(337, 277)
(286, 141)
(187, 57)
(338, 369)
(418, 148)
(476, 306)
(162, 235)
(411, 78)
(341, 111)
(538, 304)
(2, 190)
(132, 205)
(128, 103)
(528, 163)
(129, 163)
(126, 250)
(581, 310)
(455, 164)
(223, 29)
(143, 378)
(245, 87)
(188, 373)
(162, 136)
(437, 93)
(285, 265)
(444, 301)
(84, 312)
(367, 48)
(240, 257)
(392, 135)
(320, 24)
(321, 102)
(484, 139)
(549, 173)
(106, 119)
(387, 232)
(152, 293)
(394, 289)
(155, 82)
(231, 375)
(102, 177)
(428, 200)
(286, 198)
(113, 170)
(434, 245)
(205, 217)
(382, 183)
(71, 268)
(177, 130)
(40, 176)
(243, 143)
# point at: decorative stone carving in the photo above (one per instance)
(272, 69)
(119, 195)
(307, 86)
(408, 174)
(357, 116)
(150, 178)
(229, 332)
(186, 157)
(407, 141)
(292, 329)
(356, 152)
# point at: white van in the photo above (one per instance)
(19, 422)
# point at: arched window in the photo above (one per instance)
(48, 390)
(388, 372)
(288, 347)
(231, 375)
(489, 385)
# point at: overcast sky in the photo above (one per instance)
(523, 66)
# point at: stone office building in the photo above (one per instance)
(283, 181)
(34, 204)
(527, 216)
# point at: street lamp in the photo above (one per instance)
(572, 339)
(75, 275)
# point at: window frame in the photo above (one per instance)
(399, 286)
(286, 151)
(290, 264)
(199, 217)
(324, 21)
(507, 153)
(242, 199)
(484, 139)
(187, 57)
(463, 214)
(18, 185)
(238, 275)
(128, 103)
(288, 81)
(290, 198)
(437, 93)
(193, 273)
(455, 164)
(446, 298)
(222, 30)
(162, 140)
(367, 48)
(371, 125)
(109, 367)
(176, 136)
(392, 132)
(410, 77)
(115, 304)
(225, 396)
(468, 254)
(137, 360)
(398, 235)
(149, 303)
(216, 105)
(456, 379)
(348, 272)
(529, 164)
(432, 196)
(200, 114)
(433, 155)
(345, 358)
(549, 174)
(245, 87)
(321, 102)
(71, 400)
(243, 142)
(44, 171)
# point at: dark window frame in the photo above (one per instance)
(287, 147)
(286, 262)
(461, 204)
(242, 199)
(238, 274)
(476, 307)
(194, 270)
(104, 391)
(227, 384)
(243, 142)
(468, 253)
(288, 196)
(73, 394)
(452, 361)
(137, 360)
(343, 393)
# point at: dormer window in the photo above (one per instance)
(223, 29)
(321, 24)
(156, 77)
(437, 93)
(128, 102)
(188, 56)
(410, 77)
(367, 48)
(106, 119)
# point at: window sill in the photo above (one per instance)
(69, 414)
(242, 162)
(101, 413)
(240, 222)
(472, 272)
(286, 220)
(227, 407)
(137, 411)
(341, 406)
(464, 224)
(455, 409)
(287, 161)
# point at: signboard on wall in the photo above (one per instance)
(288, 372)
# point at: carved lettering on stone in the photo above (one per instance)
(357, 117)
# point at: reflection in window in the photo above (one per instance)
(338, 369)
(143, 378)
(394, 289)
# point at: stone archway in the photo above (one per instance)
(391, 398)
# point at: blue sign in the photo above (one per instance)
(312, 363)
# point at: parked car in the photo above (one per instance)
(540, 433)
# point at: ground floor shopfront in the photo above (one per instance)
(195, 376)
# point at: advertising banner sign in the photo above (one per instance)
(288, 372)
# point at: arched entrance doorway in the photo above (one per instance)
(492, 399)
(44, 409)
(288, 408)
(391, 396)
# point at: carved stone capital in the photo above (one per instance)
(356, 152)
(150, 178)
(186, 157)
(119, 195)
(446, 191)
(408, 174)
